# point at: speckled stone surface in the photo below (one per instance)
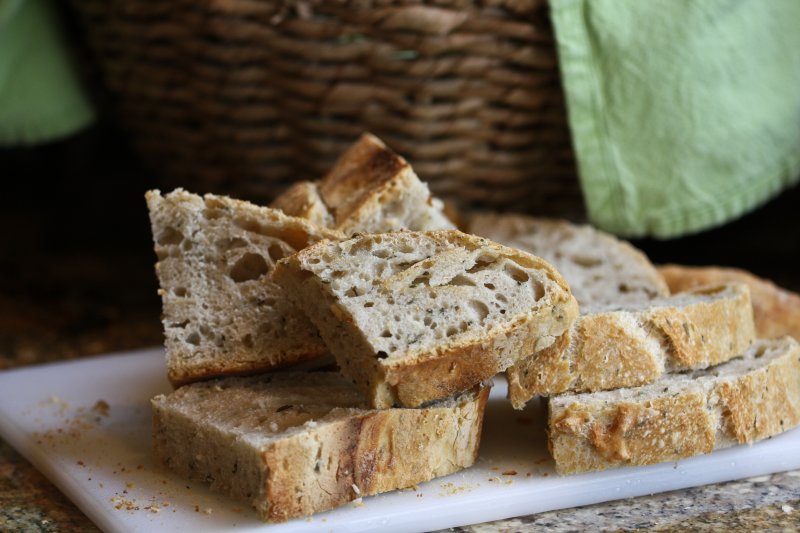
(765, 503)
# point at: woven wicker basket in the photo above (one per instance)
(246, 96)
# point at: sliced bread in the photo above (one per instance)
(221, 312)
(292, 444)
(776, 310)
(742, 401)
(600, 269)
(413, 317)
(632, 345)
(303, 200)
(370, 189)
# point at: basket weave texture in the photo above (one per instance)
(246, 96)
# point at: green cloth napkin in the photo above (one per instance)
(684, 113)
(41, 98)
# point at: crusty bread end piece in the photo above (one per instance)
(221, 312)
(742, 401)
(293, 444)
(413, 317)
(303, 200)
(600, 269)
(776, 310)
(635, 344)
(371, 189)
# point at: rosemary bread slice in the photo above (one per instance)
(292, 444)
(222, 313)
(413, 317)
(370, 189)
(600, 269)
(776, 310)
(631, 345)
(742, 401)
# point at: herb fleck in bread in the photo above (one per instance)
(600, 269)
(418, 316)
(776, 310)
(742, 401)
(370, 189)
(222, 314)
(293, 444)
(633, 345)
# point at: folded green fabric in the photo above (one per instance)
(41, 98)
(684, 113)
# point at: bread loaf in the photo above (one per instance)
(221, 312)
(776, 310)
(419, 316)
(370, 189)
(635, 344)
(600, 269)
(292, 444)
(742, 401)
(303, 200)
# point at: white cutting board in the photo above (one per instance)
(100, 458)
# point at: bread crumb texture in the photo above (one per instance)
(418, 316)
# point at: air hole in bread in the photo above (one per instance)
(169, 236)
(382, 253)
(481, 263)
(428, 321)
(461, 280)
(586, 261)
(275, 252)
(481, 309)
(382, 355)
(249, 267)
(352, 292)
(422, 279)
(283, 408)
(337, 274)
(623, 288)
(180, 292)
(451, 331)
(193, 338)
(538, 290)
(369, 304)
(760, 351)
(187, 246)
(489, 286)
(247, 341)
(516, 273)
(501, 298)
(386, 334)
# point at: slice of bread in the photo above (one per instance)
(221, 312)
(417, 316)
(600, 269)
(292, 444)
(742, 401)
(370, 189)
(776, 310)
(303, 200)
(633, 345)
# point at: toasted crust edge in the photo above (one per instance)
(606, 352)
(776, 310)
